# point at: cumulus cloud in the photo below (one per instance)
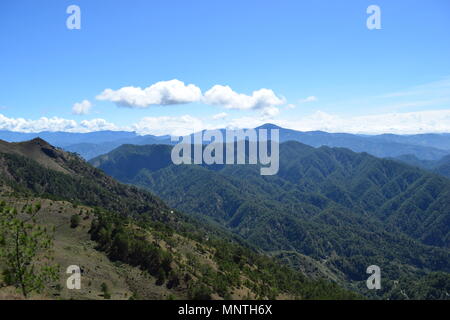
(53, 124)
(220, 116)
(161, 93)
(81, 108)
(97, 125)
(270, 112)
(42, 124)
(224, 96)
(176, 92)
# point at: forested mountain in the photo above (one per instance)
(441, 166)
(344, 210)
(129, 243)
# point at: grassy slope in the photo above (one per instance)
(73, 246)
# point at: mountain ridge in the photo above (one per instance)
(90, 145)
(321, 199)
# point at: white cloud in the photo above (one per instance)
(176, 126)
(176, 92)
(181, 125)
(220, 116)
(244, 123)
(224, 96)
(81, 108)
(161, 93)
(53, 124)
(270, 112)
(432, 121)
(42, 124)
(98, 125)
(308, 99)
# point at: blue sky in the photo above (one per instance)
(322, 68)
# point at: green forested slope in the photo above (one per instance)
(345, 210)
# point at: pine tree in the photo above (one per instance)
(26, 250)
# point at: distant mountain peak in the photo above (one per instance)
(269, 126)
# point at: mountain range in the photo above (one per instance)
(128, 243)
(90, 145)
(339, 210)
(225, 231)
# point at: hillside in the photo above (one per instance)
(441, 166)
(129, 241)
(344, 210)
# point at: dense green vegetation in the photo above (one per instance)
(195, 259)
(237, 266)
(432, 286)
(345, 210)
(441, 166)
(25, 251)
(85, 185)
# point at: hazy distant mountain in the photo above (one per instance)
(435, 140)
(441, 166)
(91, 150)
(90, 145)
(87, 145)
(379, 146)
(61, 139)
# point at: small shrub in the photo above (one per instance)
(74, 221)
